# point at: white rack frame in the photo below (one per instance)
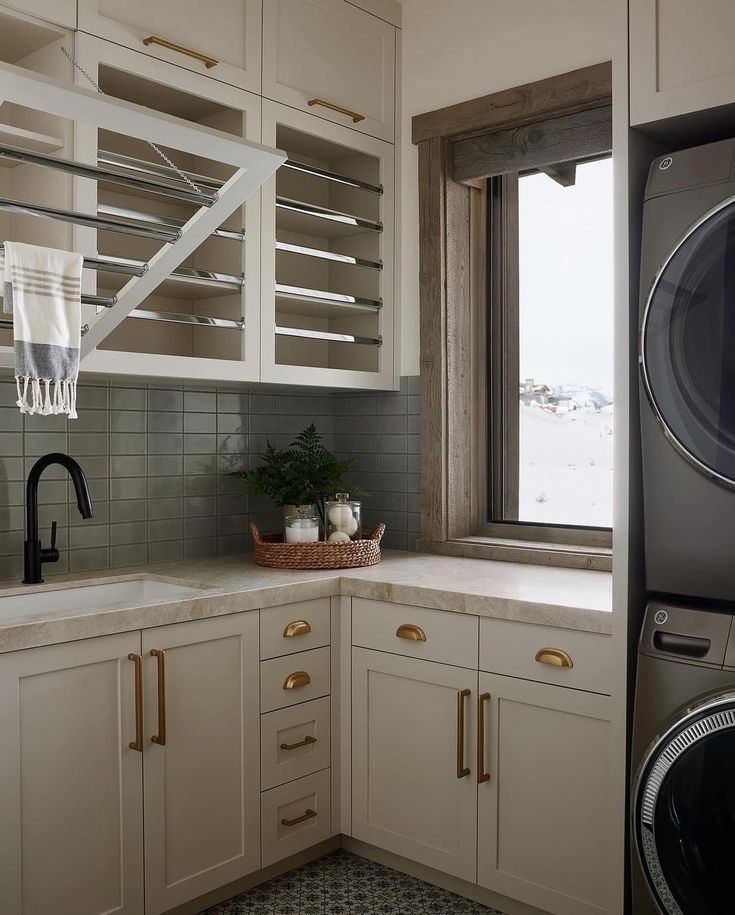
(255, 164)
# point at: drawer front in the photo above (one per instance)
(295, 816)
(511, 648)
(227, 31)
(294, 627)
(294, 678)
(294, 742)
(328, 52)
(434, 635)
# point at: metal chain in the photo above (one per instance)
(153, 146)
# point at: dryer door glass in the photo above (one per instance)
(688, 345)
(686, 818)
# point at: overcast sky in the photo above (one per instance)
(566, 278)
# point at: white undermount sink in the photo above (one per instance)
(109, 595)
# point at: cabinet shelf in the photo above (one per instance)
(296, 216)
(321, 303)
(28, 139)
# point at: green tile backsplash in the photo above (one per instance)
(155, 458)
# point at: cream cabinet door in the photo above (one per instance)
(407, 795)
(62, 12)
(331, 58)
(220, 39)
(681, 57)
(543, 812)
(71, 800)
(202, 780)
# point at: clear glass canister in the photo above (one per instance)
(343, 518)
(303, 527)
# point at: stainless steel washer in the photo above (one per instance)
(683, 803)
(687, 361)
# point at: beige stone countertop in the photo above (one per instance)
(566, 598)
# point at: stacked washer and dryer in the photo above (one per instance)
(683, 804)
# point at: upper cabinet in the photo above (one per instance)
(330, 58)
(681, 57)
(220, 39)
(62, 12)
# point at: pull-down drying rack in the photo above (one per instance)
(253, 164)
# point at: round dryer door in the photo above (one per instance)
(685, 812)
(688, 345)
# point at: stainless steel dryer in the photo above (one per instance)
(683, 803)
(687, 360)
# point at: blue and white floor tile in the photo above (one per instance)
(344, 884)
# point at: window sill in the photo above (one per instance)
(547, 554)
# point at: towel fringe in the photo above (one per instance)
(32, 398)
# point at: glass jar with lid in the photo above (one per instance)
(303, 527)
(343, 518)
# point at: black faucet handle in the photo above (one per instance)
(51, 554)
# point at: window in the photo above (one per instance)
(516, 313)
(550, 400)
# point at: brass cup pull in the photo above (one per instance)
(308, 814)
(482, 775)
(307, 741)
(297, 627)
(208, 61)
(462, 770)
(411, 632)
(556, 657)
(137, 744)
(296, 680)
(356, 116)
(160, 737)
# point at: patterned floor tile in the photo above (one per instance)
(345, 884)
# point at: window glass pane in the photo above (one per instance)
(565, 348)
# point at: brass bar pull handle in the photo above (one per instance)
(160, 737)
(556, 657)
(411, 632)
(462, 770)
(208, 61)
(297, 627)
(308, 814)
(296, 680)
(302, 743)
(137, 744)
(356, 116)
(482, 775)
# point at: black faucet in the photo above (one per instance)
(33, 554)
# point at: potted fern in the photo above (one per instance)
(298, 478)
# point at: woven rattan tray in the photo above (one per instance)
(270, 550)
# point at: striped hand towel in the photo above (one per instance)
(43, 292)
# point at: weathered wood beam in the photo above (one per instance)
(588, 87)
(564, 173)
(581, 135)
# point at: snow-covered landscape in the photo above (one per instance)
(566, 460)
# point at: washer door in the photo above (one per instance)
(688, 345)
(685, 813)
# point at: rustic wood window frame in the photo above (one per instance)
(463, 151)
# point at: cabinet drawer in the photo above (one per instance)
(294, 742)
(294, 678)
(511, 648)
(328, 52)
(226, 32)
(295, 816)
(294, 627)
(434, 635)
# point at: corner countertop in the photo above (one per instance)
(565, 598)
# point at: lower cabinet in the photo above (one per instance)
(543, 805)
(201, 758)
(414, 790)
(71, 789)
(86, 725)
